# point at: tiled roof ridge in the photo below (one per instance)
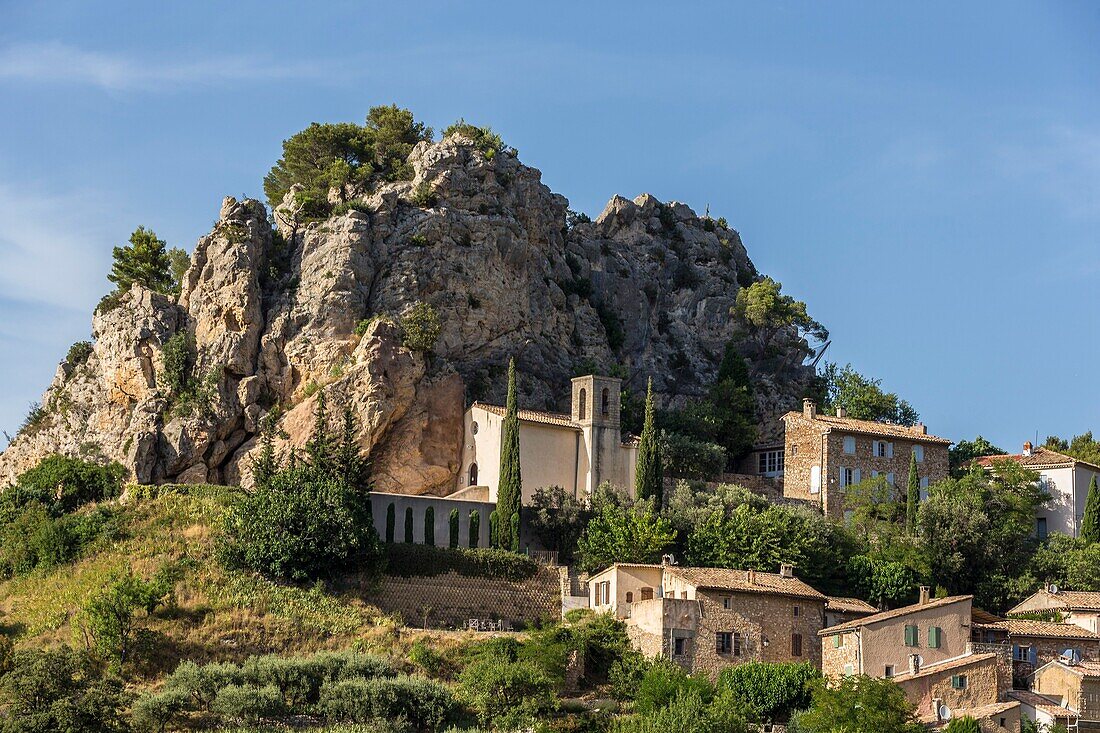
(738, 580)
(870, 427)
(539, 416)
(1058, 458)
(963, 660)
(891, 614)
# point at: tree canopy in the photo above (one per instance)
(147, 262)
(863, 397)
(772, 321)
(1082, 447)
(965, 451)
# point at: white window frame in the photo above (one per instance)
(849, 442)
(771, 462)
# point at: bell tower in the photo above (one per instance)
(596, 401)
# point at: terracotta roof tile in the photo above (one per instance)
(982, 712)
(870, 427)
(1040, 458)
(891, 614)
(946, 666)
(738, 580)
(849, 605)
(1048, 705)
(537, 416)
(1072, 600)
(1050, 630)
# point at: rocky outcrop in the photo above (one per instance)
(644, 290)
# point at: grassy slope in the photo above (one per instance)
(217, 614)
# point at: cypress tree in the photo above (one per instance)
(452, 521)
(391, 522)
(509, 490)
(648, 478)
(1090, 523)
(409, 525)
(515, 532)
(350, 466)
(429, 526)
(912, 496)
(475, 528)
(494, 521)
(266, 464)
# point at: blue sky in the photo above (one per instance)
(926, 176)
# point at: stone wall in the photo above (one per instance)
(837, 656)
(982, 687)
(450, 600)
(442, 506)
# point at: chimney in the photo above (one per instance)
(1027, 448)
(924, 593)
(786, 570)
(920, 429)
(809, 409)
(841, 412)
(914, 663)
(937, 708)
(751, 577)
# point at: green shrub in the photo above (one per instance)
(78, 353)
(248, 703)
(351, 664)
(664, 682)
(107, 616)
(772, 690)
(685, 457)
(201, 683)
(688, 712)
(156, 712)
(507, 695)
(411, 561)
(50, 691)
(421, 327)
(178, 355)
(423, 704)
(297, 679)
(302, 523)
(64, 484)
(425, 657)
(424, 195)
(485, 140)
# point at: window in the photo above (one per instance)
(918, 451)
(738, 644)
(1041, 528)
(797, 610)
(647, 594)
(888, 671)
(794, 449)
(838, 641)
(891, 479)
(850, 445)
(924, 489)
(882, 449)
(473, 474)
(723, 642)
(935, 637)
(629, 596)
(771, 462)
(848, 670)
(583, 407)
(681, 646)
(605, 403)
(958, 682)
(726, 602)
(796, 645)
(911, 633)
(604, 593)
(683, 595)
(473, 427)
(849, 476)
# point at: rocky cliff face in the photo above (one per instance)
(646, 288)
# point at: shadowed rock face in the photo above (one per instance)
(645, 288)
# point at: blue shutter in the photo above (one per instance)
(1032, 655)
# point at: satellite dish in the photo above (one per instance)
(1052, 589)
(944, 712)
(668, 559)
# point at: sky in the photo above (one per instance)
(925, 176)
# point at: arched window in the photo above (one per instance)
(606, 402)
(584, 403)
(629, 596)
(473, 475)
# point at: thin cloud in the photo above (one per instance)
(60, 63)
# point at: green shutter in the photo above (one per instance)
(836, 641)
(934, 634)
(910, 636)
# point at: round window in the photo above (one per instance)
(473, 427)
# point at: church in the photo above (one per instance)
(576, 451)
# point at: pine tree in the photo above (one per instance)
(648, 478)
(319, 446)
(1090, 523)
(509, 490)
(350, 465)
(266, 464)
(144, 261)
(912, 496)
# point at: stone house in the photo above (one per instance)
(707, 619)
(824, 454)
(1044, 711)
(843, 610)
(1064, 477)
(1075, 687)
(1081, 608)
(969, 685)
(576, 451)
(880, 645)
(1035, 643)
